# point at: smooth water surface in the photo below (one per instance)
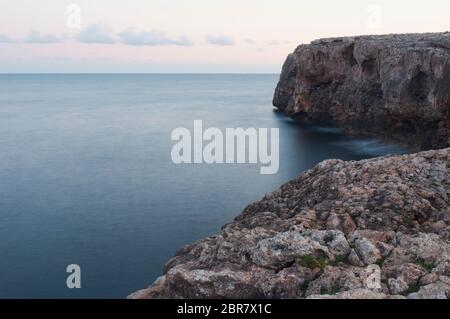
(86, 175)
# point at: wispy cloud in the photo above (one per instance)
(6, 39)
(96, 33)
(101, 34)
(151, 38)
(36, 37)
(219, 40)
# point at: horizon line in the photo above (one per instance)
(137, 73)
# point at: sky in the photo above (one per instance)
(191, 36)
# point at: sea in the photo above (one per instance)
(87, 178)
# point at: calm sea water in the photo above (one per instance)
(86, 175)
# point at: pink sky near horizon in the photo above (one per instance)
(195, 35)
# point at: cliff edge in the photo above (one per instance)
(395, 86)
(316, 236)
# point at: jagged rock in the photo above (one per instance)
(357, 294)
(354, 260)
(148, 293)
(397, 286)
(283, 246)
(428, 248)
(334, 240)
(429, 279)
(438, 290)
(367, 252)
(443, 268)
(393, 85)
(202, 283)
(335, 279)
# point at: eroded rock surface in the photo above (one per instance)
(316, 235)
(393, 85)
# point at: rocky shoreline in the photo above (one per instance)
(316, 235)
(326, 233)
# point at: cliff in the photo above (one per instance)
(315, 236)
(395, 86)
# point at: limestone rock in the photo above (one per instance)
(357, 294)
(284, 246)
(396, 86)
(368, 253)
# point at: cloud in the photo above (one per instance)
(6, 39)
(36, 37)
(151, 38)
(95, 33)
(219, 40)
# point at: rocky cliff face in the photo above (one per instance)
(316, 235)
(393, 85)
